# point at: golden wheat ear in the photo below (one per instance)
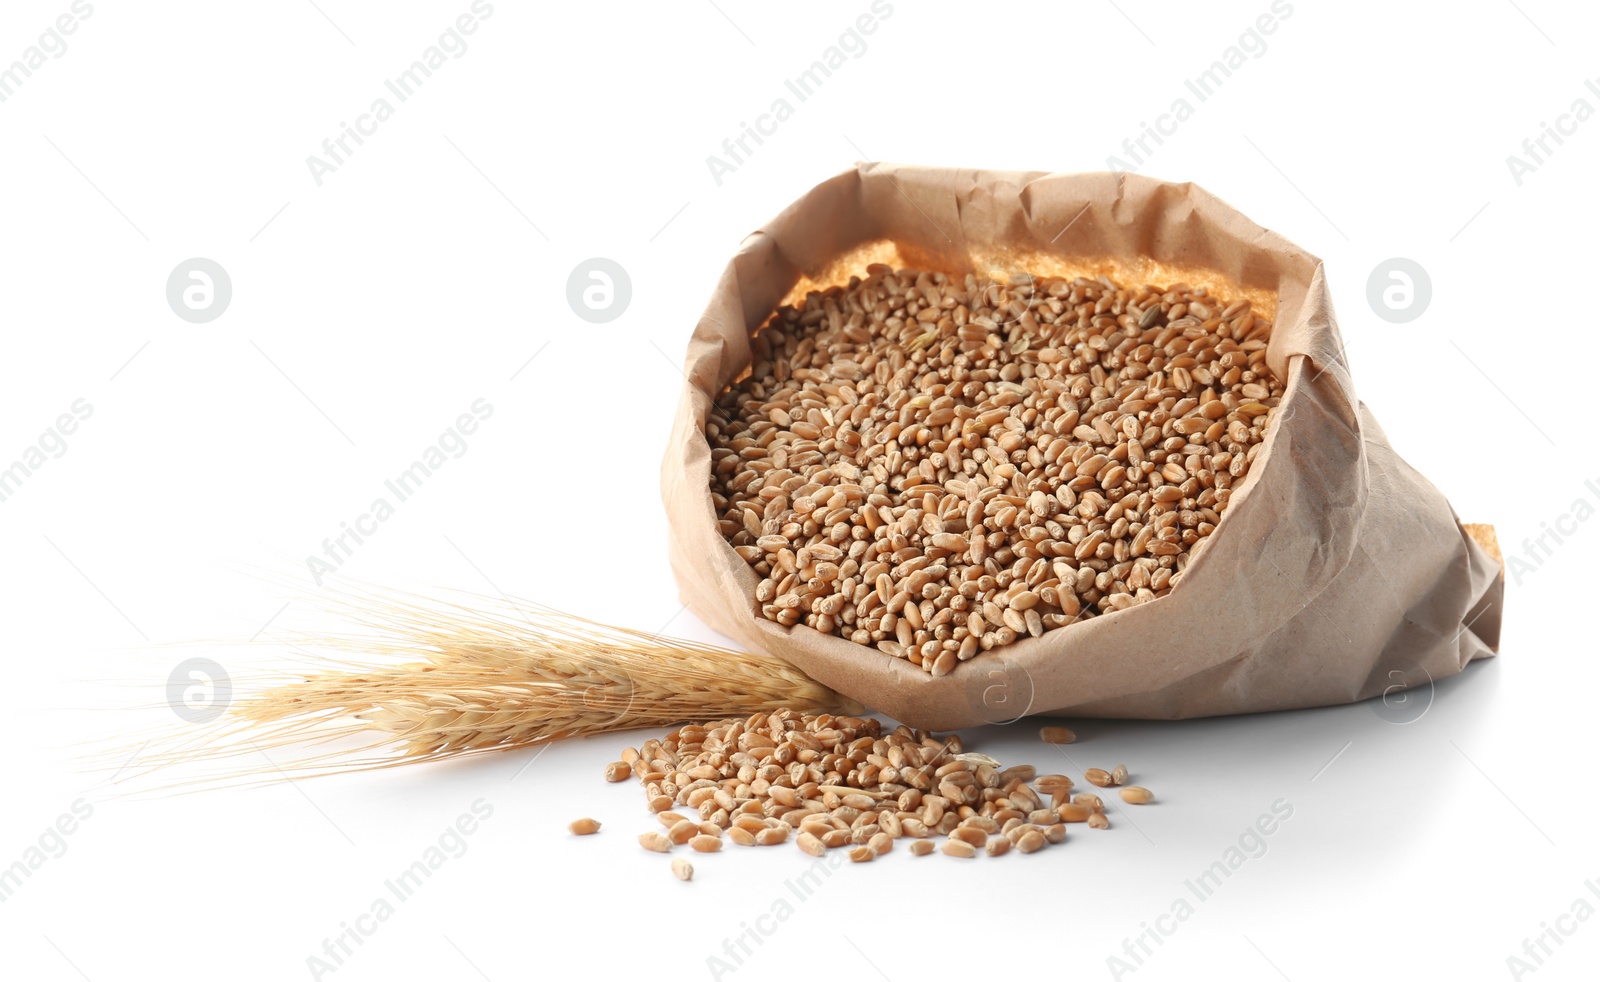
(429, 681)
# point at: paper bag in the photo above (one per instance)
(1337, 573)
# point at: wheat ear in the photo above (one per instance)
(434, 681)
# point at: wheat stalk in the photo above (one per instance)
(434, 681)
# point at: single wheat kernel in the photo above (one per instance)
(1055, 834)
(660, 803)
(1074, 813)
(881, 843)
(1031, 841)
(705, 843)
(816, 825)
(1135, 795)
(971, 836)
(810, 844)
(1056, 734)
(836, 839)
(1024, 799)
(958, 849)
(997, 846)
(921, 847)
(740, 837)
(1098, 821)
(773, 836)
(682, 832)
(682, 869)
(862, 854)
(655, 842)
(1022, 772)
(984, 822)
(1090, 801)
(784, 796)
(750, 823)
(1098, 777)
(584, 826)
(1119, 774)
(618, 771)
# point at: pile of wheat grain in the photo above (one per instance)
(936, 466)
(840, 782)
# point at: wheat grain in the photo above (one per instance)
(936, 466)
(655, 842)
(1074, 813)
(843, 782)
(775, 836)
(971, 836)
(1031, 841)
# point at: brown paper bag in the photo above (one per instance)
(1337, 573)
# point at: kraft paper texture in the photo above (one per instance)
(1337, 573)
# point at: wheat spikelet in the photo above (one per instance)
(434, 681)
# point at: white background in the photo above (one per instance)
(425, 272)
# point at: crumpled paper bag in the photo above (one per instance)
(1337, 573)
